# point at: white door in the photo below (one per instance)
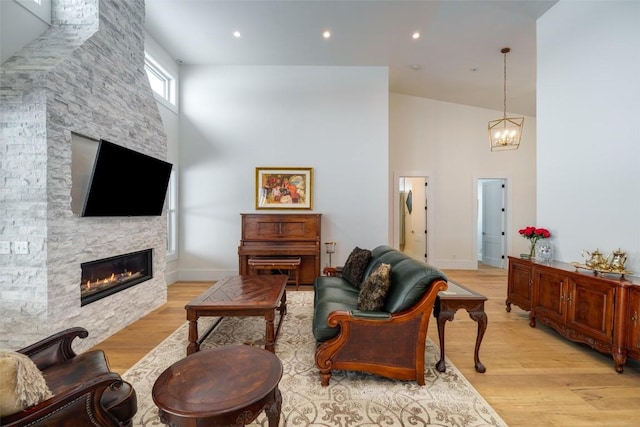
(413, 217)
(419, 219)
(493, 215)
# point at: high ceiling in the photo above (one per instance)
(456, 59)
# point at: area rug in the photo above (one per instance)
(352, 399)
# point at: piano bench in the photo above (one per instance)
(257, 264)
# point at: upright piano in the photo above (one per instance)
(281, 236)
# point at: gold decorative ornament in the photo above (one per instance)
(597, 263)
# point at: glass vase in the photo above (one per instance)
(532, 250)
(543, 252)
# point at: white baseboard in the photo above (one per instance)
(170, 277)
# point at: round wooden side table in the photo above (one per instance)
(225, 386)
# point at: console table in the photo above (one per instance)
(600, 311)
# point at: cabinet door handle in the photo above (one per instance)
(569, 299)
(635, 319)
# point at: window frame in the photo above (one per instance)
(172, 216)
(168, 98)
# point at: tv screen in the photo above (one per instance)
(125, 182)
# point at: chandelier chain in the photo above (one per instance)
(505, 86)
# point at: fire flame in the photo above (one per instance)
(112, 279)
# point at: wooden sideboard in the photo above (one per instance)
(282, 236)
(599, 311)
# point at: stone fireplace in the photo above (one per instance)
(84, 75)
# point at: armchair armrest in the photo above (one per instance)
(55, 348)
(78, 405)
(371, 314)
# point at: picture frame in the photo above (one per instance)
(284, 188)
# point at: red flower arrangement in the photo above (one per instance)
(534, 234)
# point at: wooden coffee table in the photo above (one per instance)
(224, 386)
(447, 303)
(240, 296)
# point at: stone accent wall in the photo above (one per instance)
(84, 75)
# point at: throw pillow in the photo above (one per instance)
(375, 288)
(354, 267)
(22, 383)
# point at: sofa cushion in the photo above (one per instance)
(388, 257)
(22, 384)
(346, 295)
(356, 263)
(375, 288)
(411, 279)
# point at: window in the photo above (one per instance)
(162, 83)
(172, 217)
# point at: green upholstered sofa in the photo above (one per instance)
(389, 342)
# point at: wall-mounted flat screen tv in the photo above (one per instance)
(125, 182)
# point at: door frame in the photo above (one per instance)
(429, 200)
(507, 217)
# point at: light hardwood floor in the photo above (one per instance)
(534, 376)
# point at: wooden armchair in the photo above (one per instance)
(85, 391)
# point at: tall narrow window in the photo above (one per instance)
(172, 216)
(162, 83)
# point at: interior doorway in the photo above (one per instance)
(412, 217)
(492, 230)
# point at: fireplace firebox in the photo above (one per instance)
(107, 276)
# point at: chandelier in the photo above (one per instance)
(505, 133)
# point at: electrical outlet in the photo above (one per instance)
(5, 248)
(21, 247)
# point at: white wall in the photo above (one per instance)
(588, 135)
(234, 119)
(449, 143)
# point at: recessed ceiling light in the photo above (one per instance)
(326, 34)
(416, 67)
(236, 34)
(416, 35)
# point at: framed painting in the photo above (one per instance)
(284, 188)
